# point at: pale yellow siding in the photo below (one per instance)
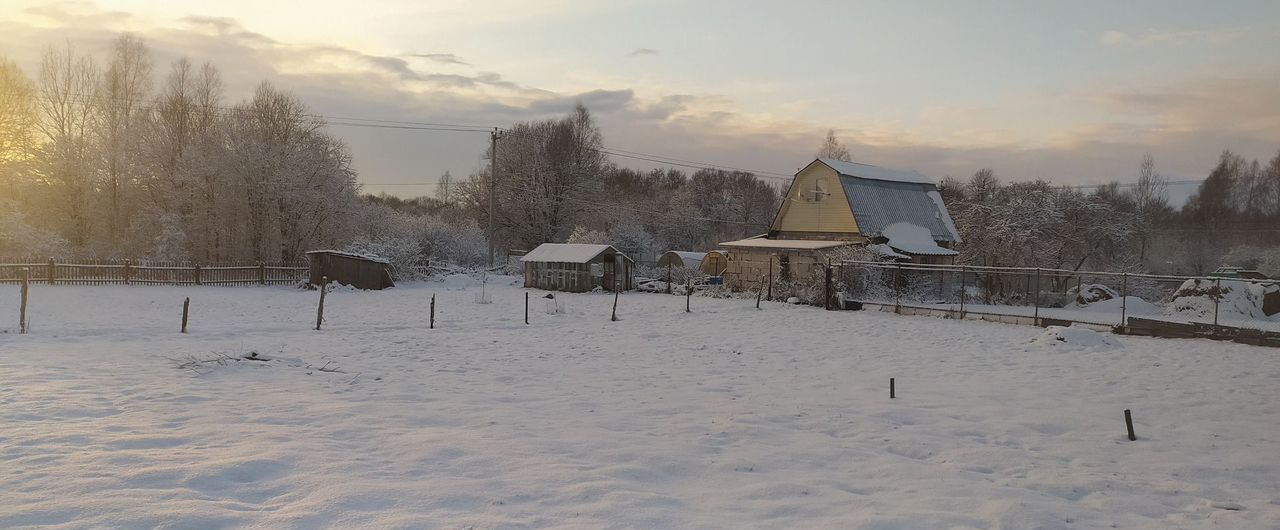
(830, 212)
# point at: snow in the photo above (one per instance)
(914, 239)
(1240, 300)
(356, 255)
(797, 244)
(1077, 338)
(1132, 306)
(868, 171)
(565, 252)
(725, 417)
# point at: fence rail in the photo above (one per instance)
(146, 272)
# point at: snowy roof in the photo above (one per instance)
(793, 244)
(348, 255)
(884, 251)
(567, 252)
(914, 239)
(868, 171)
(876, 204)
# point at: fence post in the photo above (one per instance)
(128, 267)
(1124, 298)
(433, 311)
(770, 295)
(1036, 299)
(826, 288)
(1217, 299)
(22, 311)
(897, 289)
(262, 273)
(198, 280)
(668, 277)
(759, 292)
(688, 295)
(53, 270)
(962, 289)
(186, 306)
(324, 281)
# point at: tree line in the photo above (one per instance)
(1232, 219)
(99, 160)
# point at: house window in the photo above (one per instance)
(820, 190)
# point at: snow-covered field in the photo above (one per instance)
(726, 417)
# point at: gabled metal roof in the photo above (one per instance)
(877, 204)
(568, 253)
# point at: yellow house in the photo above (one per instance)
(833, 203)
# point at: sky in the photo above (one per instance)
(1073, 92)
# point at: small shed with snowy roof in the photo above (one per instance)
(576, 267)
(356, 270)
(835, 200)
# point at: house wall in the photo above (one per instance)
(749, 268)
(830, 214)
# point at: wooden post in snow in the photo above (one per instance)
(22, 311)
(324, 281)
(526, 308)
(433, 311)
(826, 288)
(1036, 299)
(1128, 422)
(614, 318)
(688, 295)
(770, 297)
(892, 391)
(186, 308)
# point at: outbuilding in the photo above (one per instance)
(361, 272)
(577, 267)
(711, 263)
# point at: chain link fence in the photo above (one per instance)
(1164, 303)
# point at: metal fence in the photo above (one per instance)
(144, 272)
(1166, 303)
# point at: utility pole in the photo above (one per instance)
(493, 181)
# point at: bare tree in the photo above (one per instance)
(1151, 197)
(67, 86)
(119, 111)
(444, 189)
(832, 148)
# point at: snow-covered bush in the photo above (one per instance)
(412, 242)
(1233, 299)
(18, 238)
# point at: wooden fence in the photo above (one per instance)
(145, 272)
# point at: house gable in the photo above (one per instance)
(815, 203)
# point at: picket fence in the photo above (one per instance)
(149, 272)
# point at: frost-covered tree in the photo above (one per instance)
(833, 148)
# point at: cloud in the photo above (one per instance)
(643, 51)
(1157, 37)
(1184, 123)
(446, 58)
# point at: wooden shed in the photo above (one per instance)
(576, 267)
(361, 272)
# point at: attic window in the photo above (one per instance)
(819, 192)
